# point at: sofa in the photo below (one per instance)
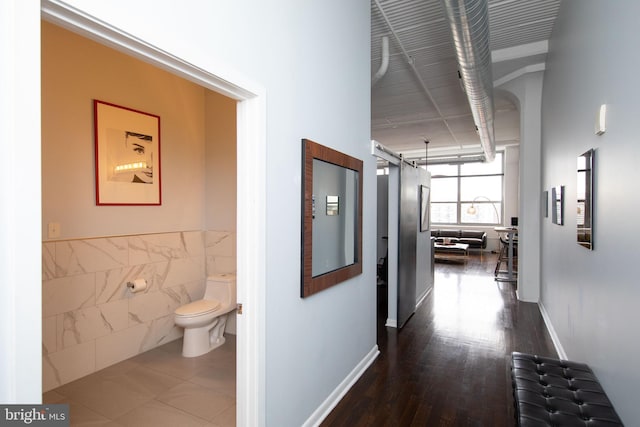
(476, 239)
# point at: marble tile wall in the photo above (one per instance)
(91, 320)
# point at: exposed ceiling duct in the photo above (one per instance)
(384, 64)
(469, 22)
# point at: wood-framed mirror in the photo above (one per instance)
(331, 217)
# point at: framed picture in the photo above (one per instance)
(127, 151)
(424, 208)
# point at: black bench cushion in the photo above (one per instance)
(552, 392)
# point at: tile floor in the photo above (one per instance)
(157, 388)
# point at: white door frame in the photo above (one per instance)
(251, 191)
(393, 218)
(20, 204)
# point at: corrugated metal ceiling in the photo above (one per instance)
(420, 96)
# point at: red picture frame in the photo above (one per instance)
(127, 156)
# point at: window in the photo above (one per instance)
(468, 193)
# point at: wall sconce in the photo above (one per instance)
(601, 120)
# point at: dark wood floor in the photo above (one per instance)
(449, 365)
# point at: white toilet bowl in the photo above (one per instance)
(204, 320)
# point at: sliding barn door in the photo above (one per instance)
(407, 241)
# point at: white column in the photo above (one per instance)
(528, 91)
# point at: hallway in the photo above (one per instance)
(448, 365)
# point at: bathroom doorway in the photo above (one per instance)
(250, 168)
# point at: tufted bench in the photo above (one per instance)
(552, 392)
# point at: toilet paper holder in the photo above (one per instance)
(137, 285)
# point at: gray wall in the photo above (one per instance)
(383, 203)
(591, 297)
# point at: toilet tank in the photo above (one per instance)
(221, 287)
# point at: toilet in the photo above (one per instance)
(204, 320)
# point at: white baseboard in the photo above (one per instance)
(327, 406)
(554, 336)
(393, 323)
(423, 297)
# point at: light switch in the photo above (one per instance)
(601, 120)
(54, 230)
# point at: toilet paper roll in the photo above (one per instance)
(137, 285)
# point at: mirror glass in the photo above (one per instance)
(557, 205)
(584, 214)
(332, 218)
(334, 233)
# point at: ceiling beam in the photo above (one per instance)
(519, 72)
(521, 51)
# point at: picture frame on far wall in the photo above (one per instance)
(127, 156)
(424, 208)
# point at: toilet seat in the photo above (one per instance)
(198, 308)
